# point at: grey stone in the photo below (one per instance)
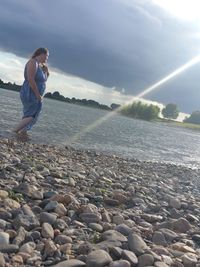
(90, 217)
(130, 256)
(120, 263)
(47, 230)
(136, 244)
(159, 238)
(4, 238)
(113, 235)
(20, 237)
(70, 263)
(145, 260)
(98, 258)
(47, 217)
(28, 222)
(9, 248)
(2, 260)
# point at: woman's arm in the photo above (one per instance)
(32, 66)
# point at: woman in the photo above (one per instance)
(32, 91)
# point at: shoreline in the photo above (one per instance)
(68, 207)
(107, 153)
(171, 123)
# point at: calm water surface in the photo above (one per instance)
(123, 136)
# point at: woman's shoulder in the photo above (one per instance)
(32, 61)
(32, 64)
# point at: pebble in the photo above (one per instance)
(64, 207)
(4, 238)
(98, 258)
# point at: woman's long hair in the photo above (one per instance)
(40, 51)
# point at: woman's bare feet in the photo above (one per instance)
(22, 136)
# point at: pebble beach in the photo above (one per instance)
(64, 207)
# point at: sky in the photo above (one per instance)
(106, 50)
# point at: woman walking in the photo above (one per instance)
(32, 91)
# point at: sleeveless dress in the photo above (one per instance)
(31, 105)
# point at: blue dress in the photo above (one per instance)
(31, 105)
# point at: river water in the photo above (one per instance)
(126, 137)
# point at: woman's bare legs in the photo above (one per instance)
(23, 123)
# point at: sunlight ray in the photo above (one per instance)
(151, 88)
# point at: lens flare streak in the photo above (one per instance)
(170, 76)
(140, 95)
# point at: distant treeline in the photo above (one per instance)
(135, 110)
(89, 103)
(10, 86)
(138, 110)
(57, 96)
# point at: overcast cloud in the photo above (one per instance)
(127, 44)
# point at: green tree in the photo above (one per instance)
(142, 111)
(170, 111)
(56, 94)
(151, 112)
(194, 118)
(48, 95)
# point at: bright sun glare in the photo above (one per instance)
(184, 9)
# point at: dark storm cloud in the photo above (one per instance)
(107, 42)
